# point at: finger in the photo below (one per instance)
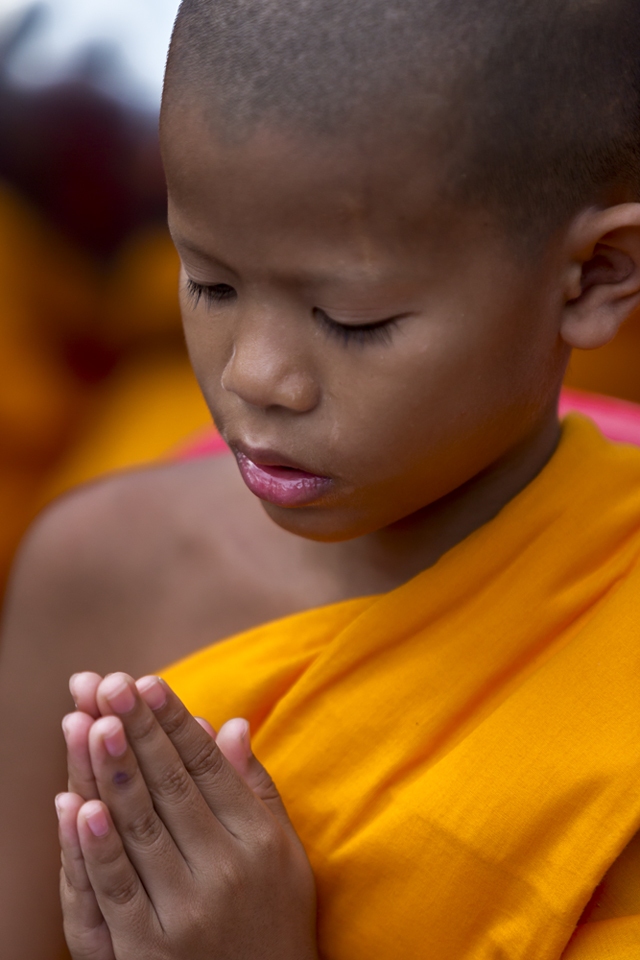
(235, 745)
(121, 897)
(175, 795)
(85, 930)
(206, 726)
(121, 785)
(224, 790)
(75, 727)
(83, 687)
(234, 741)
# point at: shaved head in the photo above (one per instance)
(534, 105)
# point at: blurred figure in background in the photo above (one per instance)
(93, 371)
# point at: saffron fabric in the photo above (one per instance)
(461, 756)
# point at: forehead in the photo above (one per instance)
(270, 186)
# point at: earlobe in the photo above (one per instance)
(604, 280)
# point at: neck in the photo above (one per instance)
(384, 560)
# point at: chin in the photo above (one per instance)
(322, 524)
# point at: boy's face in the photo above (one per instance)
(305, 242)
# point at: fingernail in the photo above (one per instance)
(59, 805)
(246, 738)
(114, 739)
(72, 683)
(96, 820)
(242, 732)
(153, 691)
(65, 727)
(119, 695)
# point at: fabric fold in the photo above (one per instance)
(461, 756)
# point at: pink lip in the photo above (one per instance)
(282, 485)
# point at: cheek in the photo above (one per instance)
(463, 393)
(209, 346)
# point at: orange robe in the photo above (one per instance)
(461, 756)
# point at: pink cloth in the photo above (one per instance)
(209, 443)
(617, 419)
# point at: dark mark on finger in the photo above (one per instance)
(120, 778)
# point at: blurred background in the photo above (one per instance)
(93, 372)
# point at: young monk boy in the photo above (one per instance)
(396, 218)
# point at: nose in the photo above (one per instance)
(268, 367)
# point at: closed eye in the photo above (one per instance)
(214, 293)
(379, 332)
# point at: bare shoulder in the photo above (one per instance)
(143, 568)
(124, 567)
(127, 574)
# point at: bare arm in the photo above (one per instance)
(39, 650)
(121, 576)
(82, 596)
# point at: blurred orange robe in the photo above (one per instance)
(461, 756)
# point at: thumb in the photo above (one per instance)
(234, 742)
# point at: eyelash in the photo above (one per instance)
(378, 332)
(217, 293)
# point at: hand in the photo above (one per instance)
(90, 926)
(76, 726)
(189, 853)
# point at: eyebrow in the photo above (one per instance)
(199, 252)
(202, 254)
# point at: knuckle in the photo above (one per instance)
(195, 927)
(145, 829)
(175, 783)
(232, 872)
(265, 845)
(110, 856)
(206, 761)
(83, 944)
(265, 787)
(122, 890)
(73, 875)
(81, 777)
(145, 727)
(66, 887)
(268, 842)
(175, 719)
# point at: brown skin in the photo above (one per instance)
(102, 585)
(466, 379)
(443, 420)
(209, 864)
(427, 435)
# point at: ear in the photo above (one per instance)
(603, 279)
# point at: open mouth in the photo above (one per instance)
(282, 485)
